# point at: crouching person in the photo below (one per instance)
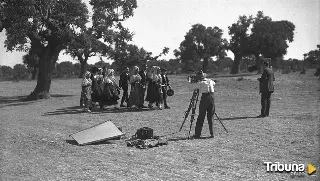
(86, 91)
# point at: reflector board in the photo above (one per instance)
(100, 132)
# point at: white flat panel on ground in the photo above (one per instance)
(100, 132)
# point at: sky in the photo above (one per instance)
(164, 23)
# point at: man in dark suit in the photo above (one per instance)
(124, 84)
(165, 84)
(143, 74)
(266, 89)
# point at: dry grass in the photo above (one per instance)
(35, 142)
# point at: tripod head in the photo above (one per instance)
(196, 78)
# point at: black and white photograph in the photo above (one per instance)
(120, 90)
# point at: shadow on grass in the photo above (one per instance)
(235, 118)
(21, 100)
(66, 110)
(79, 110)
(14, 101)
(191, 138)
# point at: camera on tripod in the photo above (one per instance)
(195, 78)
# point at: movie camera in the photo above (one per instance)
(195, 78)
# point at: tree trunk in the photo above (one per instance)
(34, 73)
(83, 69)
(236, 64)
(205, 64)
(46, 65)
(258, 63)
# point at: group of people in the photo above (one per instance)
(155, 83)
(100, 87)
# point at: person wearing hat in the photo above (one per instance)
(124, 84)
(206, 105)
(86, 91)
(144, 77)
(266, 89)
(165, 85)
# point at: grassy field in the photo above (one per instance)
(35, 142)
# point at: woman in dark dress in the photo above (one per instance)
(154, 92)
(111, 91)
(136, 93)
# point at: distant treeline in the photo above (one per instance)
(71, 70)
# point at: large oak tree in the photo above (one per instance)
(48, 26)
(267, 38)
(201, 43)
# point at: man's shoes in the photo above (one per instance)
(166, 107)
(261, 116)
(143, 106)
(195, 137)
(122, 105)
(211, 136)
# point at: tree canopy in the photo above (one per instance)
(259, 36)
(201, 43)
(49, 26)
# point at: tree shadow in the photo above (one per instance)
(21, 100)
(191, 138)
(79, 110)
(14, 101)
(60, 95)
(120, 110)
(236, 118)
(66, 110)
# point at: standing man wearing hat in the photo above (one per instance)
(266, 89)
(124, 84)
(206, 106)
(143, 74)
(165, 84)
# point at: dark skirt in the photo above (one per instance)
(154, 93)
(109, 95)
(96, 91)
(136, 95)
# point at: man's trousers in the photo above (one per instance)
(206, 106)
(125, 95)
(265, 103)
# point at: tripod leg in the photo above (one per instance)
(191, 105)
(189, 130)
(221, 123)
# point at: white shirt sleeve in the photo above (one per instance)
(211, 85)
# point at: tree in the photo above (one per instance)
(312, 58)
(48, 26)
(32, 61)
(239, 42)
(7, 72)
(101, 64)
(65, 69)
(84, 46)
(201, 43)
(1, 74)
(20, 71)
(269, 38)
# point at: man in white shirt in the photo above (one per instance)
(206, 90)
